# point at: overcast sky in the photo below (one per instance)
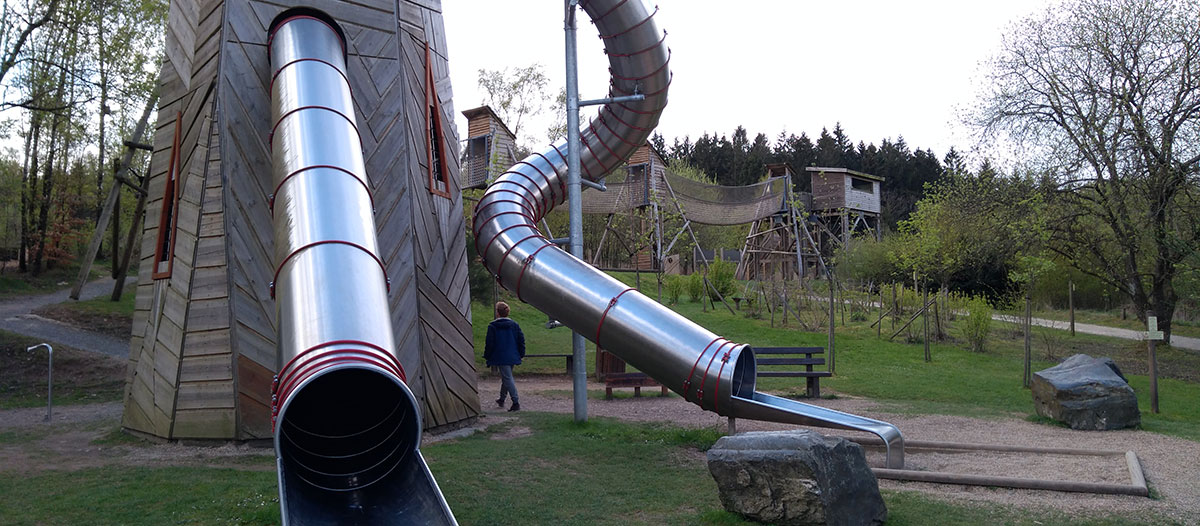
(884, 69)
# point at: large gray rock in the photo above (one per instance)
(1086, 393)
(796, 477)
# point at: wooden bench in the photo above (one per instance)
(792, 356)
(635, 380)
(570, 359)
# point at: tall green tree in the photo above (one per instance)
(1106, 93)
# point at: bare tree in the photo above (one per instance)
(1106, 94)
(516, 94)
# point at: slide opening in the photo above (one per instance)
(313, 13)
(744, 374)
(347, 428)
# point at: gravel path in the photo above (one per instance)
(15, 317)
(1171, 465)
(1181, 342)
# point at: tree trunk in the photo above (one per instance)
(48, 181)
(28, 177)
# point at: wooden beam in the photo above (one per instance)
(135, 228)
(85, 267)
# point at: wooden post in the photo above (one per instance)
(829, 277)
(116, 229)
(1071, 303)
(925, 325)
(895, 306)
(1152, 337)
(879, 325)
(1027, 375)
(937, 315)
(85, 266)
(134, 229)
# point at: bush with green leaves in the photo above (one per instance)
(720, 274)
(695, 286)
(976, 325)
(674, 288)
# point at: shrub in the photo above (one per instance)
(695, 286)
(977, 324)
(674, 288)
(721, 276)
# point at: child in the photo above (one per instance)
(504, 348)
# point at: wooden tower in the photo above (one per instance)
(203, 351)
(781, 245)
(846, 203)
(490, 147)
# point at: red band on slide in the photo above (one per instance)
(611, 303)
(704, 380)
(631, 28)
(687, 382)
(310, 59)
(528, 260)
(382, 267)
(271, 137)
(504, 258)
(288, 177)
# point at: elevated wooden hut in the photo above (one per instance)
(203, 352)
(490, 147)
(846, 202)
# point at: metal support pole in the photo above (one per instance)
(575, 205)
(49, 379)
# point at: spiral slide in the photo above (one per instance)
(710, 371)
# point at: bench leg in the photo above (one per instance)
(608, 393)
(664, 391)
(637, 391)
(570, 365)
(814, 387)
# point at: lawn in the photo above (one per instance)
(957, 381)
(14, 283)
(79, 377)
(536, 469)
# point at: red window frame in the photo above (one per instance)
(439, 174)
(168, 219)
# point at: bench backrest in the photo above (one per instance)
(771, 356)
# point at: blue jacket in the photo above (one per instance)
(505, 344)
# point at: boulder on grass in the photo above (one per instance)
(796, 477)
(1086, 393)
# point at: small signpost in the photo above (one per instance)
(1152, 337)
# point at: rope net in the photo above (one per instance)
(702, 203)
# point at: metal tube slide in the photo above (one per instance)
(347, 428)
(710, 371)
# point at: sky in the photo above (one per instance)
(883, 69)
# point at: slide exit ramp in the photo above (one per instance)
(704, 368)
(347, 429)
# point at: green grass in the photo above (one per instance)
(19, 284)
(79, 377)
(894, 373)
(120, 495)
(559, 472)
(103, 306)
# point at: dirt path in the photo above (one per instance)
(76, 439)
(15, 316)
(1171, 465)
(1181, 342)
